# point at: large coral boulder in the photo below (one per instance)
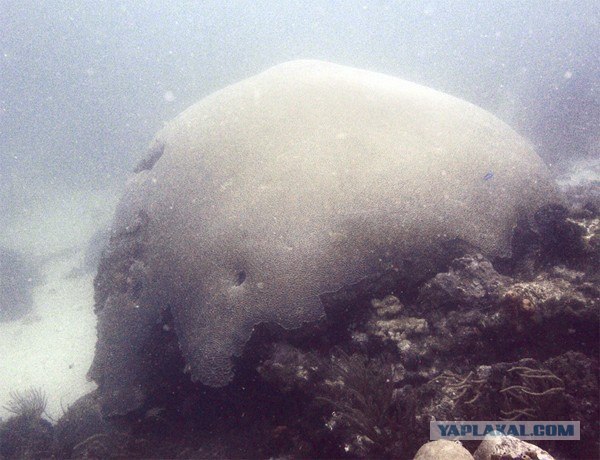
(296, 182)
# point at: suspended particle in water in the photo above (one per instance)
(169, 96)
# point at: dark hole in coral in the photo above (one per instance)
(240, 278)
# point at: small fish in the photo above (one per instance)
(489, 175)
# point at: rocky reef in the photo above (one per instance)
(484, 339)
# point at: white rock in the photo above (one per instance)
(442, 450)
(509, 448)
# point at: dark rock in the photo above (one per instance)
(17, 279)
(581, 378)
(82, 421)
(560, 235)
(289, 369)
(94, 250)
(25, 437)
(113, 445)
(472, 312)
(470, 282)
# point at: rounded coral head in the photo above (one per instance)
(296, 182)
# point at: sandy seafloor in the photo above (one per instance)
(52, 347)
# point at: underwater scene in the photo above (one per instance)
(300, 229)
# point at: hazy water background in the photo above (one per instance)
(84, 85)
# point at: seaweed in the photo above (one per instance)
(361, 393)
(469, 387)
(26, 434)
(30, 403)
(533, 391)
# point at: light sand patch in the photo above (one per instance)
(52, 347)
